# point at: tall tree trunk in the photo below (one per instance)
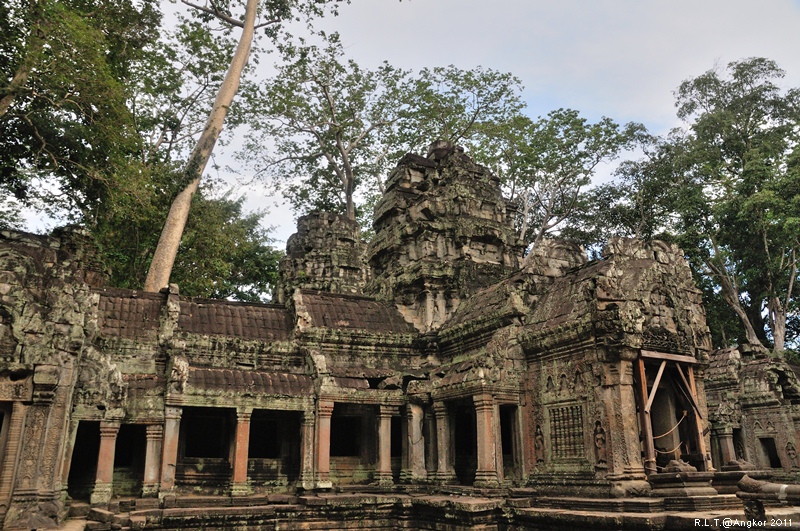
(167, 249)
(777, 314)
(731, 296)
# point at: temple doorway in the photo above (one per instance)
(465, 441)
(670, 420)
(83, 467)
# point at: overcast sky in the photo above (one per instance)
(617, 58)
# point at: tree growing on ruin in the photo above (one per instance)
(460, 106)
(326, 119)
(255, 14)
(726, 188)
(330, 128)
(740, 195)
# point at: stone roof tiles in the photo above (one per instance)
(346, 312)
(129, 314)
(252, 382)
(226, 318)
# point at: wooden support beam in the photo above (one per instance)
(646, 426)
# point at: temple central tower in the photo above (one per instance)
(442, 231)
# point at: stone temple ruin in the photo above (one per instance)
(432, 379)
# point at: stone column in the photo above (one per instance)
(726, 448)
(383, 471)
(444, 467)
(324, 412)
(152, 459)
(623, 450)
(415, 446)
(103, 485)
(486, 474)
(66, 463)
(307, 450)
(241, 448)
(169, 455)
(13, 441)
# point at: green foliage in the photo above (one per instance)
(727, 190)
(327, 118)
(64, 124)
(459, 106)
(328, 130)
(545, 164)
(225, 253)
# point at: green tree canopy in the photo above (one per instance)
(727, 189)
(326, 120)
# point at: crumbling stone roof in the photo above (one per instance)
(243, 320)
(129, 314)
(255, 382)
(349, 312)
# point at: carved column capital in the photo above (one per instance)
(109, 429)
(439, 409)
(243, 414)
(483, 401)
(154, 431)
(387, 411)
(325, 408)
(173, 412)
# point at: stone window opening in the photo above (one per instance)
(206, 432)
(274, 447)
(345, 436)
(205, 448)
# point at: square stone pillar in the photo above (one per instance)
(383, 471)
(154, 434)
(169, 451)
(415, 445)
(726, 448)
(486, 474)
(444, 465)
(324, 412)
(241, 447)
(307, 450)
(13, 442)
(103, 485)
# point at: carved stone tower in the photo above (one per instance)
(326, 253)
(442, 232)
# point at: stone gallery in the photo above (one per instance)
(432, 379)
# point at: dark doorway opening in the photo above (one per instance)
(465, 441)
(83, 467)
(508, 437)
(129, 457)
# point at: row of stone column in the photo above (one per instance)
(161, 452)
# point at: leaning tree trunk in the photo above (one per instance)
(167, 249)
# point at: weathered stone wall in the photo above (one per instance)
(754, 408)
(326, 253)
(47, 331)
